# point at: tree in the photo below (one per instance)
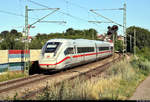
(70, 31)
(35, 44)
(11, 40)
(92, 33)
(4, 34)
(119, 45)
(16, 33)
(142, 37)
(13, 31)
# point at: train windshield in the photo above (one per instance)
(51, 47)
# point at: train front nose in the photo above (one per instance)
(47, 64)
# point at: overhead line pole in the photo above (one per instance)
(124, 29)
(134, 42)
(27, 27)
(26, 38)
(124, 23)
(130, 43)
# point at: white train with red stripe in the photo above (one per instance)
(63, 53)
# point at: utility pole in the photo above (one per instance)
(130, 43)
(92, 34)
(134, 42)
(113, 45)
(111, 21)
(124, 29)
(27, 27)
(26, 40)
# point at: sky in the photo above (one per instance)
(76, 14)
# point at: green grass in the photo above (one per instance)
(11, 75)
(121, 81)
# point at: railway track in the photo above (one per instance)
(18, 83)
(87, 75)
(13, 84)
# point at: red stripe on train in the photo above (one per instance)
(56, 63)
(76, 57)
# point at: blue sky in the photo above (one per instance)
(137, 14)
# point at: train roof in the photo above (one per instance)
(81, 41)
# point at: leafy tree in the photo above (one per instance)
(4, 34)
(13, 31)
(11, 40)
(142, 37)
(70, 31)
(119, 45)
(92, 33)
(36, 44)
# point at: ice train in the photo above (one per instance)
(58, 54)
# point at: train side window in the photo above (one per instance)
(85, 49)
(69, 51)
(103, 48)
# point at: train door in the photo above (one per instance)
(69, 52)
(80, 58)
(74, 60)
(96, 51)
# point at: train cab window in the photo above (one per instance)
(51, 47)
(69, 50)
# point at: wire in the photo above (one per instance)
(38, 4)
(77, 5)
(15, 14)
(108, 9)
(85, 8)
(68, 14)
(12, 26)
(11, 13)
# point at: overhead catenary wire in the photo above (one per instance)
(108, 9)
(65, 13)
(96, 20)
(77, 5)
(84, 8)
(15, 14)
(11, 13)
(43, 17)
(13, 26)
(105, 18)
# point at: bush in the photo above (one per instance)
(142, 66)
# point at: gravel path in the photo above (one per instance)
(143, 91)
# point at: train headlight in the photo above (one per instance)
(51, 66)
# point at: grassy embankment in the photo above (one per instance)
(11, 75)
(118, 83)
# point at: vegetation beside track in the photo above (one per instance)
(11, 75)
(118, 83)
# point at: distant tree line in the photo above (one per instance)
(14, 39)
(11, 40)
(142, 38)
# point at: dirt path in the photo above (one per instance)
(143, 91)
